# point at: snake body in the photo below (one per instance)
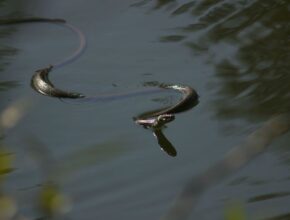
(41, 83)
(158, 118)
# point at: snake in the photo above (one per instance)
(41, 83)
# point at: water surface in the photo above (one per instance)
(234, 53)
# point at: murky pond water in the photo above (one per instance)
(235, 54)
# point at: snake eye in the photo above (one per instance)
(165, 118)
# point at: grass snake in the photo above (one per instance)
(155, 120)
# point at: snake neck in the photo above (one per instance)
(159, 118)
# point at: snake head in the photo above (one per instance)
(164, 119)
(156, 122)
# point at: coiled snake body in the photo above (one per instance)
(41, 83)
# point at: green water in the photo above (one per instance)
(234, 53)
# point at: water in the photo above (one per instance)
(234, 53)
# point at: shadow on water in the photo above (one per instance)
(247, 44)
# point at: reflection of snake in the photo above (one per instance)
(158, 118)
(41, 83)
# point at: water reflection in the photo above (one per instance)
(157, 131)
(237, 96)
(161, 3)
(259, 83)
(247, 44)
(172, 38)
(253, 82)
(183, 8)
(268, 196)
(279, 217)
(5, 85)
(164, 143)
(238, 157)
(158, 3)
(6, 51)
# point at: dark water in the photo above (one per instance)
(234, 53)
